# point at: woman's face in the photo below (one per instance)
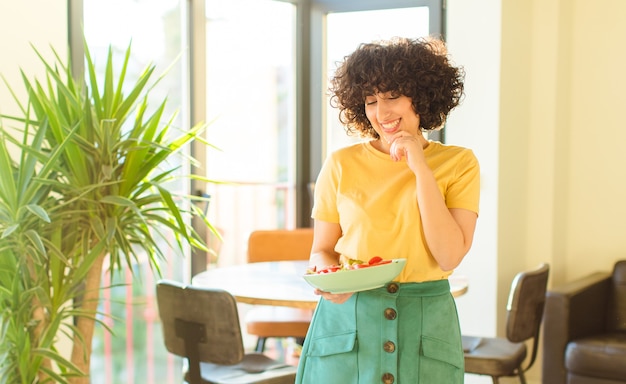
(390, 114)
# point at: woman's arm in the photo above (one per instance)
(325, 237)
(323, 254)
(449, 232)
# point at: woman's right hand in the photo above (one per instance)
(337, 298)
(323, 254)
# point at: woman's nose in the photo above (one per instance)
(381, 109)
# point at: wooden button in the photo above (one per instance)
(388, 378)
(390, 314)
(392, 288)
(389, 346)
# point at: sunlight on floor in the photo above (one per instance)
(475, 379)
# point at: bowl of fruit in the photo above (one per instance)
(355, 275)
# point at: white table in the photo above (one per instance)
(277, 283)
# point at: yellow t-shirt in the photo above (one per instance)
(373, 199)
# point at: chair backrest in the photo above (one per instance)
(280, 244)
(526, 305)
(526, 302)
(200, 323)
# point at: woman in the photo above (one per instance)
(397, 195)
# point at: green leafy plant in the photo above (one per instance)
(83, 180)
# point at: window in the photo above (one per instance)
(266, 86)
(250, 101)
(257, 70)
(154, 27)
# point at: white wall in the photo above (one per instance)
(594, 233)
(475, 125)
(543, 114)
(42, 23)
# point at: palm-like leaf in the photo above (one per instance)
(24, 257)
(91, 182)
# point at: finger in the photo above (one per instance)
(396, 151)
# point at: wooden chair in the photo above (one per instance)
(202, 325)
(499, 356)
(278, 322)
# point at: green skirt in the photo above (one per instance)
(398, 334)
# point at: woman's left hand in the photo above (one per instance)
(337, 298)
(404, 145)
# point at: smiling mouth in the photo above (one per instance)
(391, 126)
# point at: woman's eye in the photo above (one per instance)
(370, 102)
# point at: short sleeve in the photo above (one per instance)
(325, 192)
(464, 189)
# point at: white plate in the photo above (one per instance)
(356, 280)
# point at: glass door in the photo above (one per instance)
(251, 106)
(267, 65)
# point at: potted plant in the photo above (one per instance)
(84, 181)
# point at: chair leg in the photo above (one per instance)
(522, 378)
(260, 344)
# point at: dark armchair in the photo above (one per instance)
(585, 330)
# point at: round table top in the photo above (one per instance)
(278, 283)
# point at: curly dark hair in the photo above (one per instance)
(416, 68)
